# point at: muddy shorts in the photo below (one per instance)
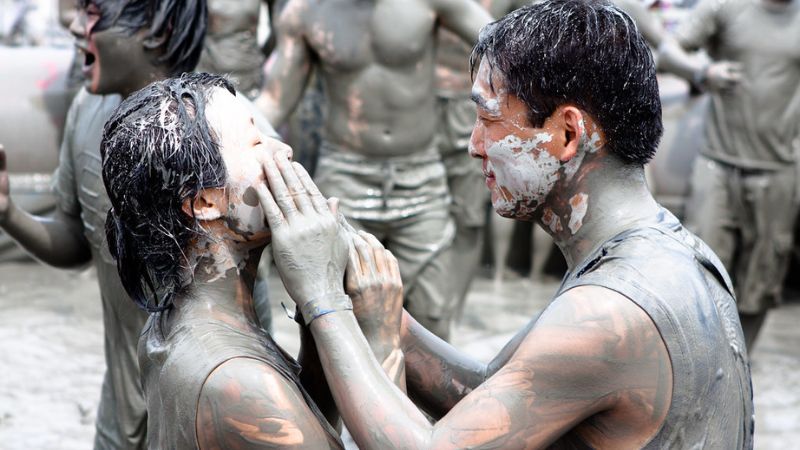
(747, 217)
(404, 202)
(464, 175)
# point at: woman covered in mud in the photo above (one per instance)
(180, 158)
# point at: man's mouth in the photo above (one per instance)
(88, 59)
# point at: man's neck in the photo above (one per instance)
(154, 74)
(598, 203)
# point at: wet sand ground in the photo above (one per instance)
(51, 353)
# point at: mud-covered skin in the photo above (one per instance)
(555, 382)
(629, 397)
(212, 378)
(376, 59)
(231, 45)
(452, 54)
(108, 51)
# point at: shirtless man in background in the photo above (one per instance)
(231, 46)
(379, 156)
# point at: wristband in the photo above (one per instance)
(325, 304)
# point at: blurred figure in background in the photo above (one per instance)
(376, 60)
(744, 194)
(231, 46)
(464, 177)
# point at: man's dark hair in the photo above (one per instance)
(583, 52)
(159, 150)
(177, 28)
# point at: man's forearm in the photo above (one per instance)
(438, 375)
(673, 58)
(375, 410)
(312, 377)
(57, 241)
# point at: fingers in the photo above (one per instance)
(317, 199)
(378, 252)
(364, 251)
(278, 190)
(272, 212)
(354, 270)
(295, 187)
(394, 266)
(333, 205)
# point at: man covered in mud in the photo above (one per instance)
(181, 159)
(232, 46)
(379, 155)
(744, 194)
(641, 345)
(125, 46)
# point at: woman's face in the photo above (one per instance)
(243, 147)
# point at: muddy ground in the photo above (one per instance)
(51, 354)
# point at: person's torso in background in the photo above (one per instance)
(232, 46)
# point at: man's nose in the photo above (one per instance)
(78, 25)
(475, 147)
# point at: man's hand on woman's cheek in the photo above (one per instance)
(308, 245)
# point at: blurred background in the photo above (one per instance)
(51, 356)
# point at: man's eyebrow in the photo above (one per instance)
(480, 101)
(484, 105)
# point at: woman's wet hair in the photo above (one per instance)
(176, 28)
(158, 150)
(587, 53)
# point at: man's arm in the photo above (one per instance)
(465, 18)
(246, 404)
(312, 377)
(439, 376)
(288, 68)
(591, 350)
(584, 356)
(56, 240)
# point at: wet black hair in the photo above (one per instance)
(158, 150)
(583, 52)
(177, 28)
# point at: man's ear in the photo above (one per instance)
(570, 122)
(209, 204)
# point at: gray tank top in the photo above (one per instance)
(676, 279)
(175, 367)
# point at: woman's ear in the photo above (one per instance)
(572, 129)
(209, 204)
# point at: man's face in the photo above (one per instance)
(242, 147)
(114, 60)
(518, 165)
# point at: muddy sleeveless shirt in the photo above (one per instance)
(175, 367)
(679, 282)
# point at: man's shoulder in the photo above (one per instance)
(86, 102)
(592, 318)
